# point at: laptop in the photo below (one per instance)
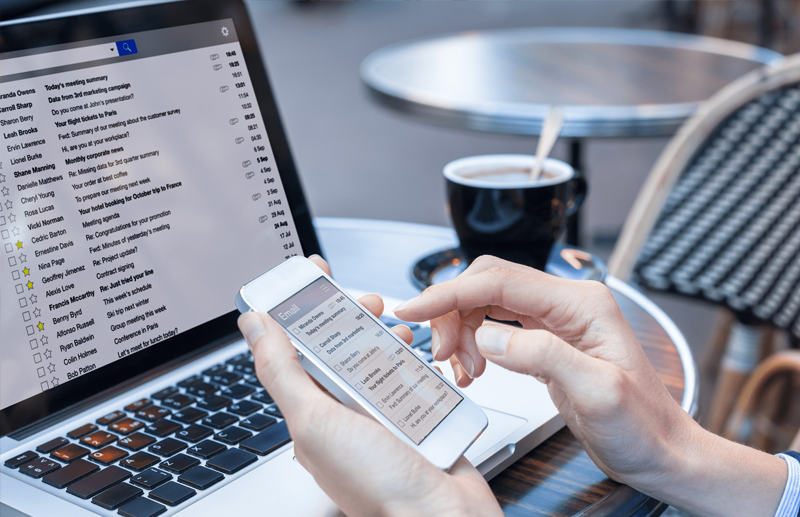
(145, 176)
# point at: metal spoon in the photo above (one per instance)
(551, 127)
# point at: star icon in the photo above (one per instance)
(26, 271)
(4, 190)
(32, 298)
(40, 326)
(9, 204)
(19, 245)
(12, 218)
(44, 340)
(29, 285)
(22, 258)
(15, 231)
(51, 367)
(54, 382)
(37, 312)
(2, 178)
(48, 354)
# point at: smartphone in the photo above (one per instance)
(363, 363)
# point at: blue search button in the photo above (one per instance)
(126, 47)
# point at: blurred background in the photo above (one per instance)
(358, 159)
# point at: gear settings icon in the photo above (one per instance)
(224, 31)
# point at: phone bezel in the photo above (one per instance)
(445, 443)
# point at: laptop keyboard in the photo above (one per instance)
(161, 451)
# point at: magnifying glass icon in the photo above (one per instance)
(126, 48)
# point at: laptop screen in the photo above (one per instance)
(139, 189)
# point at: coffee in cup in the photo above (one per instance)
(497, 210)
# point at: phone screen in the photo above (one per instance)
(391, 377)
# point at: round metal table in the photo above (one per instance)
(557, 478)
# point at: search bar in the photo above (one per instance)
(72, 56)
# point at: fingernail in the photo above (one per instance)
(252, 328)
(466, 363)
(315, 255)
(406, 304)
(435, 342)
(492, 339)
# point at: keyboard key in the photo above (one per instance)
(94, 484)
(111, 417)
(194, 433)
(268, 440)
(167, 447)
(73, 472)
(185, 383)
(139, 404)
(178, 401)
(135, 441)
(166, 392)
(206, 449)
(189, 415)
(220, 420)
(153, 413)
(202, 389)
(151, 478)
(82, 431)
(55, 443)
(214, 403)
(253, 381)
(20, 459)
(245, 368)
(239, 359)
(244, 408)
(225, 378)
(117, 495)
(163, 428)
(126, 426)
(172, 493)
(215, 369)
(233, 435)
(273, 411)
(232, 460)
(99, 439)
(237, 391)
(257, 422)
(70, 452)
(179, 463)
(40, 467)
(200, 478)
(140, 461)
(262, 397)
(141, 507)
(107, 455)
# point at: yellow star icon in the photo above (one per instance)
(40, 326)
(30, 285)
(26, 271)
(19, 245)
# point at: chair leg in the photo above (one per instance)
(740, 358)
(719, 338)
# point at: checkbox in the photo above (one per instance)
(5, 234)
(2, 220)
(40, 371)
(391, 357)
(400, 423)
(34, 343)
(19, 288)
(23, 302)
(44, 385)
(9, 248)
(15, 274)
(296, 332)
(29, 330)
(359, 386)
(317, 350)
(26, 316)
(380, 405)
(12, 261)
(337, 367)
(37, 358)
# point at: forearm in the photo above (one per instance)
(707, 476)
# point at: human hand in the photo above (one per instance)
(577, 341)
(362, 466)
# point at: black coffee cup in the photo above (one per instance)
(497, 210)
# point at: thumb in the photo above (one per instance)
(276, 363)
(540, 354)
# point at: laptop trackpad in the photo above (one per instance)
(501, 425)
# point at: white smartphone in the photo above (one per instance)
(363, 363)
